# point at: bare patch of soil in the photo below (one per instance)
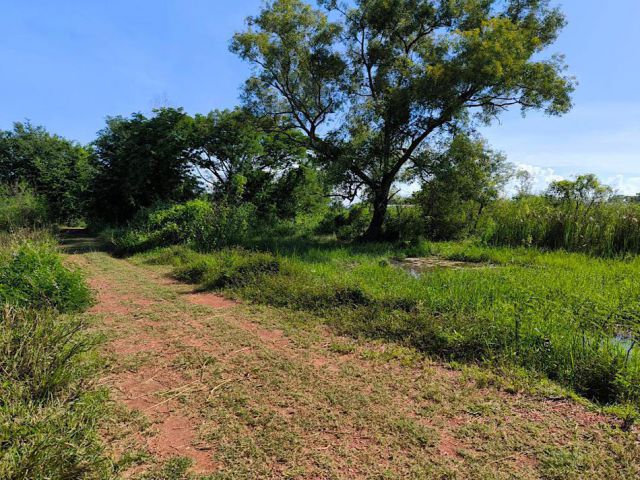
(175, 436)
(108, 300)
(209, 300)
(154, 387)
(448, 446)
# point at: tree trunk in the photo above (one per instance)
(379, 204)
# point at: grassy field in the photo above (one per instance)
(340, 363)
(570, 317)
(205, 388)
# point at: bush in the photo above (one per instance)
(228, 268)
(198, 223)
(225, 226)
(32, 275)
(48, 416)
(20, 207)
(404, 223)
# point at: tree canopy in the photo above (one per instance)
(172, 156)
(56, 168)
(371, 82)
(457, 185)
(140, 161)
(242, 159)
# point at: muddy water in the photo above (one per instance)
(418, 266)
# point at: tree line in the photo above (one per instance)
(347, 101)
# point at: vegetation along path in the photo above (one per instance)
(204, 386)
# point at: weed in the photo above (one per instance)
(173, 469)
(48, 420)
(48, 416)
(32, 275)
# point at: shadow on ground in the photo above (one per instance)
(78, 240)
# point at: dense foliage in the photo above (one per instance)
(141, 161)
(374, 85)
(198, 223)
(55, 168)
(457, 186)
(21, 207)
(577, 215)
(32, 275)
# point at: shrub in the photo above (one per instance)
(227, 268)
(124, 241)
(404, 223)
(32, 275)
(195, 270)
(20, 207)
(198, 223)
(225, 226)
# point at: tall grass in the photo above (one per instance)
(48, 415)
(20, 208)
(604, 228)
(571, 317)
(48, 419)
(32, 275)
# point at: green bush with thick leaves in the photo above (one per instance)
(20, 207)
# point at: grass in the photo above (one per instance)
(21, 207)
(32, 275)
(292, 399)
(554, 313)
(600, 228)
(48, 414)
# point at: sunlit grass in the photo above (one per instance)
(48, 415)
(567, 315)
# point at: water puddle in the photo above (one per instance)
(417, 266)
(626, 342)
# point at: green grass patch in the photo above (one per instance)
(32, 275)
(48, 415)
(568, 316)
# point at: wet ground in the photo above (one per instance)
(417, 266)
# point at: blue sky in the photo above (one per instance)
(68, 64)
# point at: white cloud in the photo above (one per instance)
(598, 138)
(624, 185)
(543, 176)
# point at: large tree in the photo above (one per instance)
(372, 83)
(140, 161)
(244, 160)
